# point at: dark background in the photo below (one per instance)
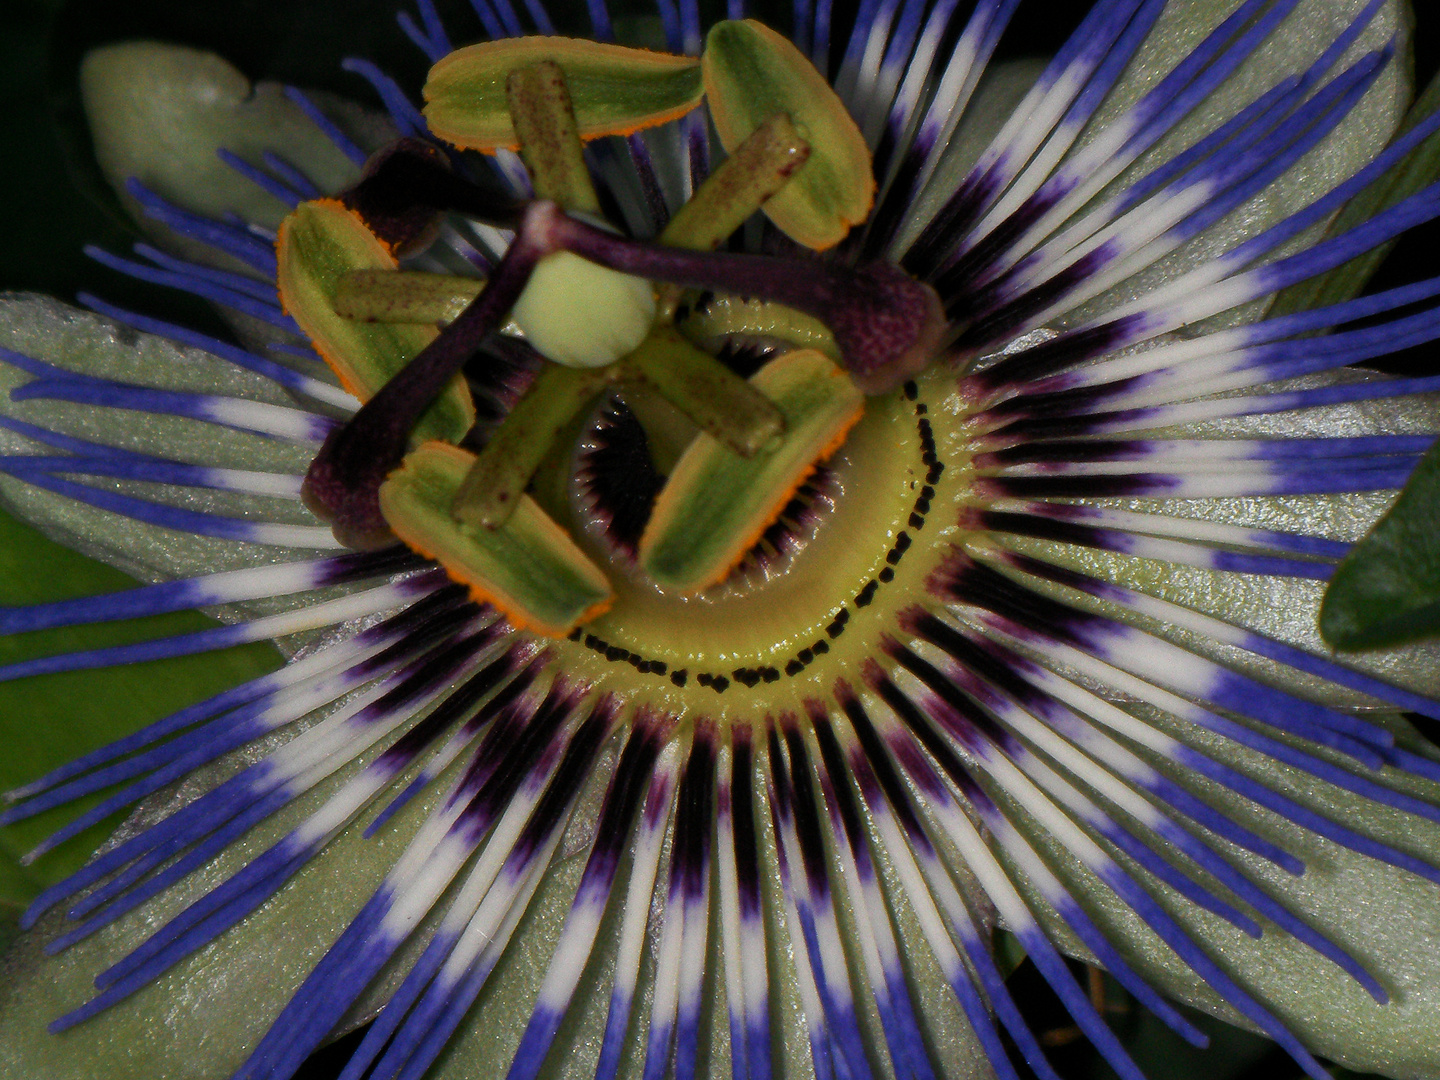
(54, 201)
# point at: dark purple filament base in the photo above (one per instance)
(408, 184)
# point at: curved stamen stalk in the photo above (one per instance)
(501, 472)
(759, 168)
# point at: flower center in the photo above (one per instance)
(724, 651)
(584, 299)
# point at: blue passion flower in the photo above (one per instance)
(789, 520)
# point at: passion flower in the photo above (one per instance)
(916, 559)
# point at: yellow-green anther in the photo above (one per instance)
(751, 73)
(720, 403)
(492, 488)
(403, 296)
(549, 140)
(715, 506)
(759, 167)
(530, 569)
(615, 90)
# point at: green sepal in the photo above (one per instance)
(321, 243)
(529, 568)
(716, 503)
(614, 90)
(1387, 591)
(752, 73)
(158, 113)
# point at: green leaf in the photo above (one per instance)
(614, 90)
(752, 73)
(1387, 591)
(1415, 171)
(40, 726)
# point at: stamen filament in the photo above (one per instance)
(709, 393)
(759, 167)
(493, 486)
